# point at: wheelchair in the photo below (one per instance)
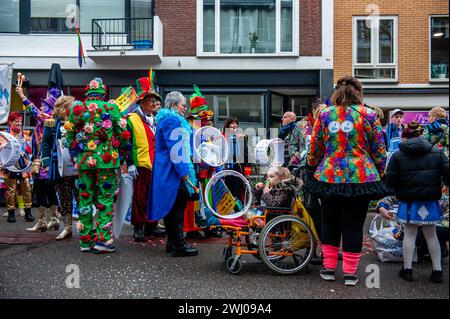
(282, 238)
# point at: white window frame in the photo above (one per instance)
(429, 58)
(278, 52)
(375, 55)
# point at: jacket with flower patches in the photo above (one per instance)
(96, 135)
(347, 146)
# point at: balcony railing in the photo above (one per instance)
(122, 34)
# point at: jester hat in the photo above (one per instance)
(199, 108)
(146, 86)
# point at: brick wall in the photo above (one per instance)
(413, 35)
(179, 21)
(310, 27)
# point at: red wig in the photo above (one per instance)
(14, 116)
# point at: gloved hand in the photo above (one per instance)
(132, 170)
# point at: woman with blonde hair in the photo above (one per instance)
(54, 131)
(437, 131)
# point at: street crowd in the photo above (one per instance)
(346, 157)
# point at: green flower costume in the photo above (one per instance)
(96, 138)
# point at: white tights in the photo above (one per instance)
(409, 245)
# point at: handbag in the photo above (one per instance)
(387, 246)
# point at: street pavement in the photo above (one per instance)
(144, 270)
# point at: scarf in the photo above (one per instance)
(438, 127)
(286, 130)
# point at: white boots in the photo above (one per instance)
(41, 225)
(67, 231)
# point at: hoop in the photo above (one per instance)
(10, 150)
(211, 146)
(214, 179)
(262, 149)
(65, 165)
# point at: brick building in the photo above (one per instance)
(399, 49)
(253, 59)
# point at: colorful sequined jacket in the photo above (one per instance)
(96, 135)
(40, 118)
(347, 146)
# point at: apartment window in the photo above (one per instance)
(439, 48)
(50, 15)
(54, 16)
(234, 27)
(9, 16)
(375, 48)
(90, 10)
(248, 108)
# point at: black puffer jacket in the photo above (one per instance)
(415, 172)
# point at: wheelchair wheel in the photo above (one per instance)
(227, 253)
(234, 265)
(286, 244)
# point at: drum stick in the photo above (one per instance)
(192, 185)
(19, 77)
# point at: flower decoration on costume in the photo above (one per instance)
(79, 226)
(101, 207)
(89, 128)
(107, 124)
(79, 125)
(108, 226)
(92, 146)
(102, 136)
(107, 157)
(126, 135)
(122, 123)
(68, 126)
(116, 143)
(114, 155)
(77, 110)
(93, 85)
(107, 185)
(106, 116)
(92, 162)
(92, 107)
(80, 147)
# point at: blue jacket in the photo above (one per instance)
(168, 173)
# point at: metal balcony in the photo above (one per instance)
(124, 34)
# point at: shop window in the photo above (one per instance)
(439, 48)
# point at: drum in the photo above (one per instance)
(10, 150)
(123, 204)
(65, 165)
(211, 146)
(263, 150)
(225, 200)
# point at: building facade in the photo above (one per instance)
(253, 59)
(399, 49)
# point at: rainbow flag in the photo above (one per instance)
(81, 56)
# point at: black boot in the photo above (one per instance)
(11, 216)
(138, 234)
(28, 216)
(153, 230)
(181, 248)
(406, 274)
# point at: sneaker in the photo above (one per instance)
(328, 275)
(350, 280)
(406, 274)
(101, 248)
(436, 276)
(85, 249)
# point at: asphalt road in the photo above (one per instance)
(144, 270)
